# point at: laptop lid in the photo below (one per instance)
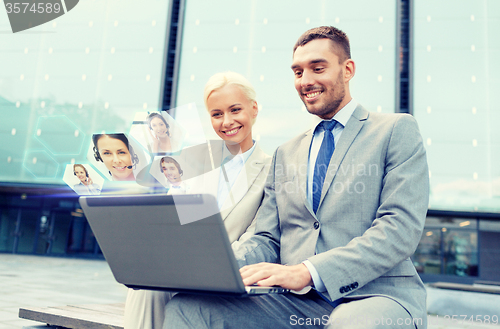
(165, 242)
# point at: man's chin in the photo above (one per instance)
(322, 112)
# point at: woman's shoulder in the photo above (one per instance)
(261, 154)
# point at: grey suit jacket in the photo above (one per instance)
(241, 206)
(371, 214)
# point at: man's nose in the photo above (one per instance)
(307, 79)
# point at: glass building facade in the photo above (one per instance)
(94, 68)
(456, 101)
(85, 72)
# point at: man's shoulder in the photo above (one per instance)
(293, 143)
(379, 120)
(387, 117)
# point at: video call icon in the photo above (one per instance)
(25, 14)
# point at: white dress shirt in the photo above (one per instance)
(229, 171)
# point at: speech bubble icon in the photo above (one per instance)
(25, 14)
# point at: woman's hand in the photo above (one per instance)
(156, 141)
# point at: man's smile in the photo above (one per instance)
(312, 95)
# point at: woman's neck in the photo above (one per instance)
(129, 178)
(241, 147)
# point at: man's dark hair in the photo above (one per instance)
(170, 160)
(340, 40)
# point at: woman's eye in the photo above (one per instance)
(236, 109)
(215, 115)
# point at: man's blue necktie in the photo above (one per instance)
(323, 160)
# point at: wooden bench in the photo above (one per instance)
(108, 316)
(477, 287)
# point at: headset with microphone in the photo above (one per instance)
(120, 136)
(170, 160)
(153, 115)
(84, 169)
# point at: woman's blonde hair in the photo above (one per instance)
(219, 80)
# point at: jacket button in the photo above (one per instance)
(342, 290)
(316, 225)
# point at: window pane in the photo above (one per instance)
(456, 101)
(87, 71)
(256, 38)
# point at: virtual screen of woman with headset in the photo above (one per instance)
(117, 155)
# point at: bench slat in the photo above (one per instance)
(77, 317)
(466, 287)
(118, 308)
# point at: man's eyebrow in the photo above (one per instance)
(319, 60)
(314, 61)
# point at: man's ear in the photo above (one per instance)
(350, 69)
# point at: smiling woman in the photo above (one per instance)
(234, 170)
(116, 154)
(86, 185)
(160, 132)
(230, 101)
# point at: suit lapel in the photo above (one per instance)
(350, 132)
(303, 158)
(252, 168)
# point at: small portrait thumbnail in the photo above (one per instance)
(83, 179)
(116, 156)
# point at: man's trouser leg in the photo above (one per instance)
(274, 311)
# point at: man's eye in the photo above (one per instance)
(298, 73)
(318, 69)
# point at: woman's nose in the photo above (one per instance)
(228, 121)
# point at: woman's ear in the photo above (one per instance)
(255, 109)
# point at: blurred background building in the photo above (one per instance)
(92, 69)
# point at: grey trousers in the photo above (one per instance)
(284, 311)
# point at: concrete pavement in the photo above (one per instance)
(48, 281)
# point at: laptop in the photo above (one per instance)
(167, 242)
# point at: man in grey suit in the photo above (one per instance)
(344, 209)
